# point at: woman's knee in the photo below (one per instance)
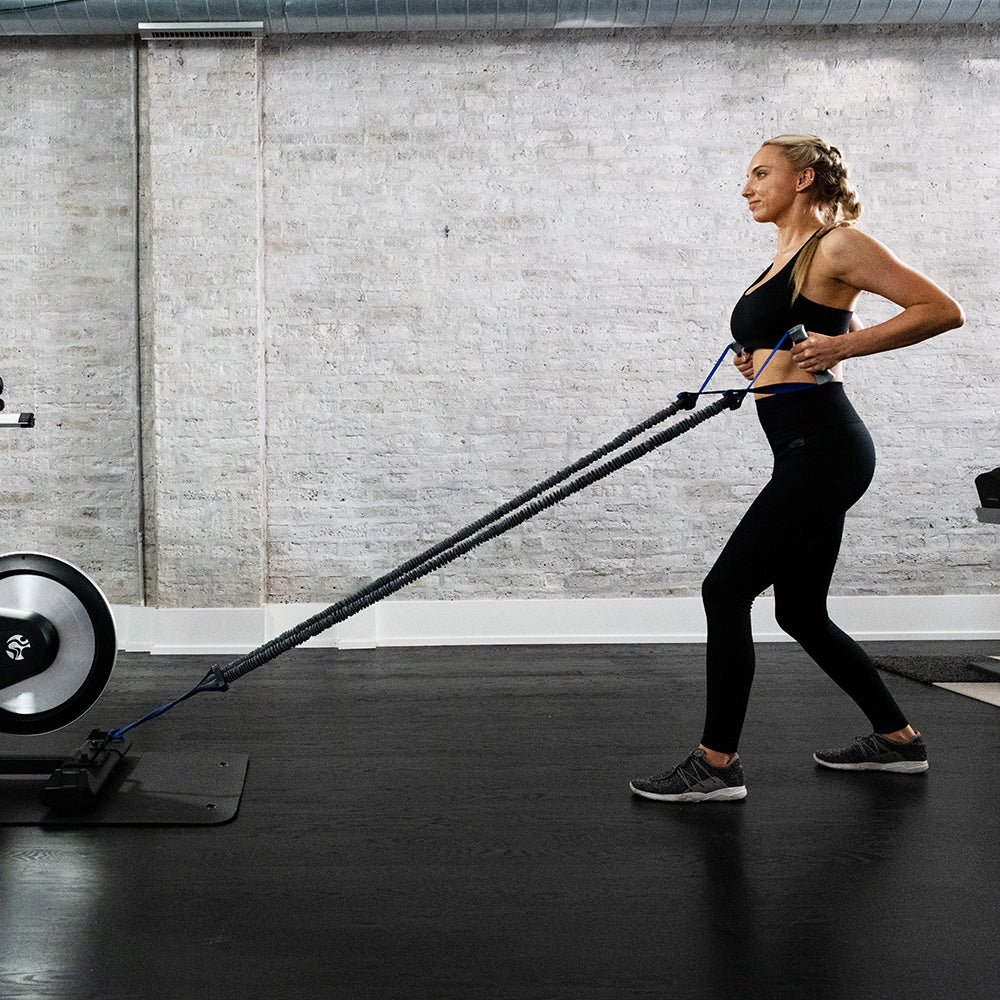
(714, 591)
(721, 593)
(800, 622)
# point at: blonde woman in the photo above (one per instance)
(824, 460)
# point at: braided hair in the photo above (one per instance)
(831, 188)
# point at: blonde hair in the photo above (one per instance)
(832, 191)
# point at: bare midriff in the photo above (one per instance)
(781, 368)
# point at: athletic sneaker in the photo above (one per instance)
(876, 753)
(695, 780)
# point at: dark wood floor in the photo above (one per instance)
(456, 823)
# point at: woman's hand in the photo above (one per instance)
(810, 354)
(817, 353)
(744, 364)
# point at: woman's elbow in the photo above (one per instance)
(950, 315)
(956, 316)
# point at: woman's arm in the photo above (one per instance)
(855, 262)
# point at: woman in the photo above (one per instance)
(823, 460)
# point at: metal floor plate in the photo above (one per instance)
(154, 789)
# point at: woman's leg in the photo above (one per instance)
(800, 608)
(744, 569)
(790, 538)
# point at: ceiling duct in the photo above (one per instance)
(124, 17)
(207, 30)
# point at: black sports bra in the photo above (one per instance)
(762, 316)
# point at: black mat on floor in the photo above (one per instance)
(153, 789)
(941, 669)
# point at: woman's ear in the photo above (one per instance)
(805, 179)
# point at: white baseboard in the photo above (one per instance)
(477, 623)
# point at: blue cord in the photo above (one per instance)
(782, 387)
(777, 347)
(216, 684)
(722, 357)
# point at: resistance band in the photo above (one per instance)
(505, 517)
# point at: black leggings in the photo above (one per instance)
(790, 537)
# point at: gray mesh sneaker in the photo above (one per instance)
(695, 780)
(876, 753)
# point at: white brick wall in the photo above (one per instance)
(596, 240)
(68, 351)
(203, 383)
(481, 256)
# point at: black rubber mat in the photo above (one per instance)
(941, 669)
(154, 789)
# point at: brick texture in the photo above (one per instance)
(68, 340)
(389, 281)
(203, 389)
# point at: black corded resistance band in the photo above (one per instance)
(494, 525)
(502, 519)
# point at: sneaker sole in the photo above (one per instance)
(898, 767)
(719, 795)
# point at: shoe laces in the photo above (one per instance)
(694, 769)
(871, 743)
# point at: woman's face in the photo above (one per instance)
(772, 187)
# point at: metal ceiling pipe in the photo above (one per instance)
(247, 18)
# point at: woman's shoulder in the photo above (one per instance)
(847, 238)
(842, 249)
